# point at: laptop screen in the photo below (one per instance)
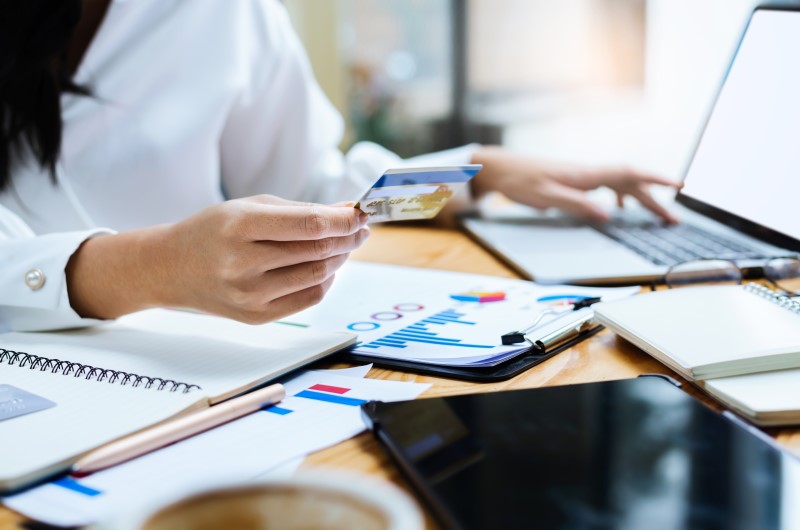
(747, 162)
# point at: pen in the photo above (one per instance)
(563, 334)
(173, 431)
(515, 337)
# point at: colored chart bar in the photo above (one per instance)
(480, 297)
(339, 400)
(404, 335)
(77, 487)
(330, 388)
(277, 410)
(419, 332)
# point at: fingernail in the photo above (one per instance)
(363, 218)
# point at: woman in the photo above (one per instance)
(139, 138)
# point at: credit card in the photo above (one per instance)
(414, 193)
(17, 402)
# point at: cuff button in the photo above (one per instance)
(34, 279)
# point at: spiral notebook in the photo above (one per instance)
(65, 393)
(740, 343)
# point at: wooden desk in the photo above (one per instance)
(603, 357)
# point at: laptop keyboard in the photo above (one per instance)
(671, 244)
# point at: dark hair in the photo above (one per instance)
(34, 37)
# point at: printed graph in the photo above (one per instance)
(558, 300)
(429, 330)
(320, 392)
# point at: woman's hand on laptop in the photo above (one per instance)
(552, 185)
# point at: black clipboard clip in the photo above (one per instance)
(559, 336)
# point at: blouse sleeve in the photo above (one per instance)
(33, 285)
(282, 134)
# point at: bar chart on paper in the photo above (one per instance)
(425, 332)
(437, 317)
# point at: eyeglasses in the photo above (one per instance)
(783, 273)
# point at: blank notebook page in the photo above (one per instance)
(222, 356)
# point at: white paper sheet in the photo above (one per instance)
(317, 417)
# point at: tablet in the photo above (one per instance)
(630, 454)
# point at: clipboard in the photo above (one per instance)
(505, 370)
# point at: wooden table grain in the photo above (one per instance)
(603, 357)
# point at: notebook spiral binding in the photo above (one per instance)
(768, 294)
(91, 373)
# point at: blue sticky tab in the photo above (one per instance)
(330, 398)
(74, 485)
(277, 410)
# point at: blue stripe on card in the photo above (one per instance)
(427, 177)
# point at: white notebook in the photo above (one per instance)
(767, 398)
(109, 381)
(741, 344)
(710, 331)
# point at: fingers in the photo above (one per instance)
(283, 222)
(575, 202)
(647, 178)
(283, 306)
(298, 301)
(276, 254)
(295, 278)
(644, 197)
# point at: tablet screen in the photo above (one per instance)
(629, 454)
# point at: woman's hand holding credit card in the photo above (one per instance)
(414, 193)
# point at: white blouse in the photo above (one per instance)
(193, 102)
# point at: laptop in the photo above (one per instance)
(740, 189)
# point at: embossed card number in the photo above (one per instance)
(17, 402)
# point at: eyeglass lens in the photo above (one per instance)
(784, 273)
(711, 271)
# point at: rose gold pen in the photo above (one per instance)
(175, 430)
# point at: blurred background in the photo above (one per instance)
(588, 81)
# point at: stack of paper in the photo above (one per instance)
(443, 318)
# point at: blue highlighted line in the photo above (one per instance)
(407, 336)
(389, 340)
(437, 320)
(415, 331)
(331, 398)
(77, 487)
(441, 343)
(277, 410)
(387, 344)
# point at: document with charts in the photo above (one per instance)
(439, 317)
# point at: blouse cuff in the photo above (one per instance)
(33, 285)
